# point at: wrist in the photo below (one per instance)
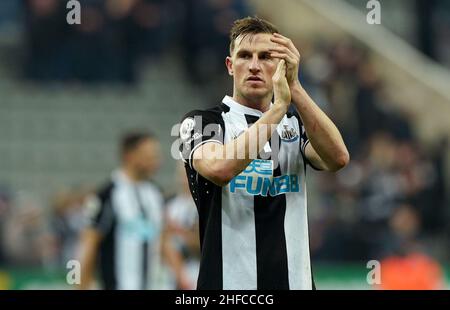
(295, 86)
(299, 96)
(280, 106)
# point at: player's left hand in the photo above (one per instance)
(286, 50)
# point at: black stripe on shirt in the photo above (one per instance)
(145, 246)
(271, 252)
(107, 251)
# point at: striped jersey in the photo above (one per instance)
(254, 230)
(129, 217)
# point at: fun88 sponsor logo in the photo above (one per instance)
(257, 179)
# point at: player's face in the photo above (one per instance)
(252, 67)
(147, 158)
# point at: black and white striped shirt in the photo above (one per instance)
(129, 217)
(253, 231)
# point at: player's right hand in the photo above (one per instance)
(282, 93)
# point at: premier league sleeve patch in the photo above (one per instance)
(187, 128)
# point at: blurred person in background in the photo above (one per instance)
(126, 230)
(407, 264)
(46, 40)
(28, 238)
(182, 219)
(205, 35)
(68, 221)
(5, 207)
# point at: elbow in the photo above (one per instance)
(341, 161)
(221, 180)
(215, 171)
(220, 175)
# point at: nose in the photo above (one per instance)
(254, 65)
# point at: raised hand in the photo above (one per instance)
(282, 93)
(287, 51)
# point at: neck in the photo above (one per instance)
(262, 104)
(131, 173)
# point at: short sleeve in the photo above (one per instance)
(304, 141)
(197, 128)
(98, 211)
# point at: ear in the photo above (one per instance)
(229, 64)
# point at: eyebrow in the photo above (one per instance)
(246, 51)
(243, 51)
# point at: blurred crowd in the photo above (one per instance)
(391, 199)
(116, 36)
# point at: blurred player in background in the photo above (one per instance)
(126, 231)
(182, 219)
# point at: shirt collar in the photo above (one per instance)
(119, 176)
(236, 106)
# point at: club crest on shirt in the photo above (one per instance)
(289, 134)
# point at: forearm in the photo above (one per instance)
(87, 270)
(228, 160)
(247, 146)
(87, 263)
(90, 240)
(173, 259)
(323, 134)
